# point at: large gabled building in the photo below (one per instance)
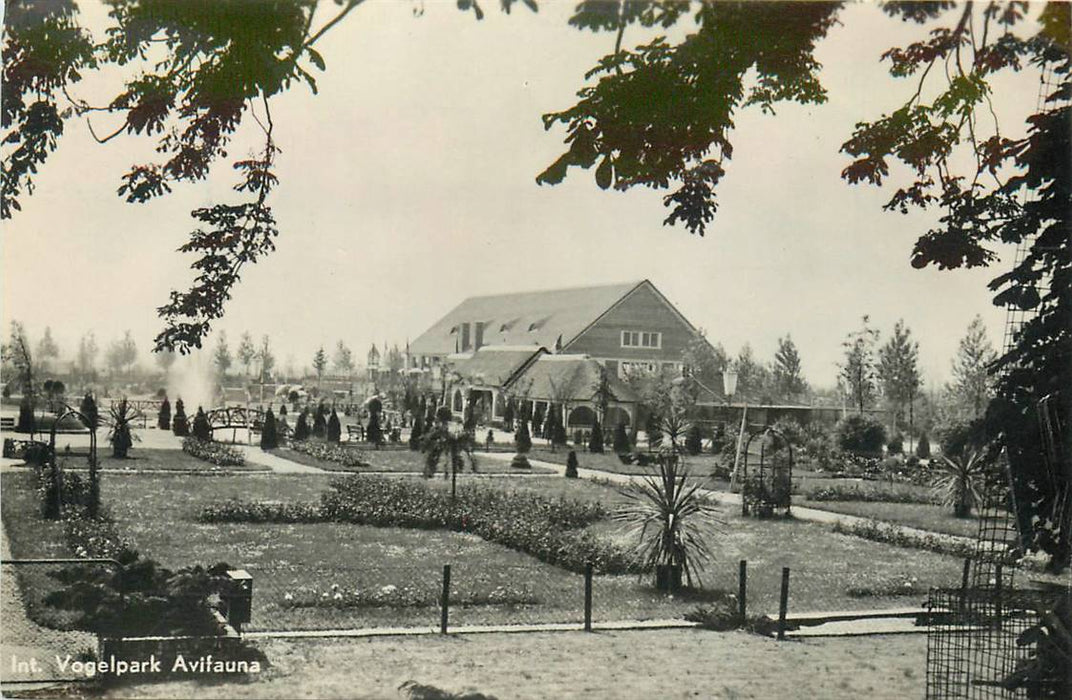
(621, 326)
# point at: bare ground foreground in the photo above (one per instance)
(642, 664)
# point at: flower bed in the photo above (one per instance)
(213, 452)
(545, 528)
(329, 452)
(409, 596)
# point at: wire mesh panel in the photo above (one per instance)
(977, 641)
(37, 642)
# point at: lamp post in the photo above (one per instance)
(729, 388)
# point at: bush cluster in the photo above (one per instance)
(330, 452)
(213, 452)
(861, 434)
(548, 529)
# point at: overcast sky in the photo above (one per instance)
(408, 184)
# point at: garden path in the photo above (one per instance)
(814, 515)
(278, 465)
(22, 640)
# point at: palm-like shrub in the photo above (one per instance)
(669, 518)
(961, 480)
(121, 437)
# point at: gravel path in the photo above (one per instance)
(23, 640)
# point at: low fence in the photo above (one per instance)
(465, 593)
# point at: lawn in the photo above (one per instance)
(326, 575)
(154, 460)
(399, 460)
(920, 515)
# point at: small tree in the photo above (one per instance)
(179, 424)
(201, 429)
(923, 449)
(621, 439)
(301, 428)
(26, 422)
(694, 440)
(895, 446)
(595, 440)
(571, 465)
(163, 419)
(269, 433)
(415, 434)
(334, 427)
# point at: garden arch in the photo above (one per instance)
(767, 478)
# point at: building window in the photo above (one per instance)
(634, 369)
(642, 339)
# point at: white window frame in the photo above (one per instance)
(643, 340)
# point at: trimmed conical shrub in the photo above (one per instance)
(163, 419)
(923, 449)
(320, 423)
(334, 427)
(621, 439)
(301, 428)
(180, 424)
(201, 429)
(694, 440)
(595, 440)
(522, 440)
(269, 433)
(571, 465)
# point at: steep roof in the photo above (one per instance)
(568, 378)
(551, 318)
(494, 365)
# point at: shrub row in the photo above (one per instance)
(403, 597)
(870, 492)
(329, 452)
(213, 452)
(545, 528)
(891, 534)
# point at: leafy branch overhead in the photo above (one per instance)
(660, 115)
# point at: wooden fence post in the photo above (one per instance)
(783, 604)
(742, 590)
(444, 610)
(588, 597)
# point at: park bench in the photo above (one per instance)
(7, 423)
(355, 431)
